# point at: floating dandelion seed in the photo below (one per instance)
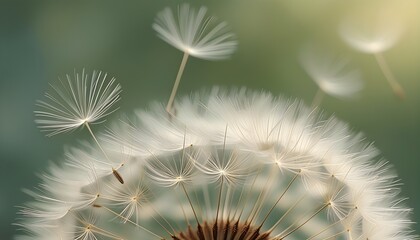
(375, 37)
(195, 34)
(330, 73)
(232, 165)
(79, 101)
(378, 39)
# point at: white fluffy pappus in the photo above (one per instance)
(373, 28)
(375, 35)
(331, 73)
(192, 32)
(77, 100)
(247, 165)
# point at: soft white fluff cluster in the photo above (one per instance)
(194, 33)
(236, 165)
(383, 35)
(331, 73)
(228, 156)
(77, 100)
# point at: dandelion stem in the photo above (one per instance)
(114, 171)
(389, 76)
(176, 84)
(317, 98)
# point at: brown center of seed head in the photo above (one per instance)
(223, 230)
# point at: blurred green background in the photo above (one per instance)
(41, 40)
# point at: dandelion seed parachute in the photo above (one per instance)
(378, 36)
(382, 37)
(232, 165)
(77, 100)
(330, 73)
(80, 102)
(195, 34)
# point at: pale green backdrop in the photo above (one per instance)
(40, 40)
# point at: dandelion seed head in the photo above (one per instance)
(315, 180)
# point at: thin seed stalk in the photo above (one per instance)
(176, 84)
(114, 171)
(317, 98)
(389, 76)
